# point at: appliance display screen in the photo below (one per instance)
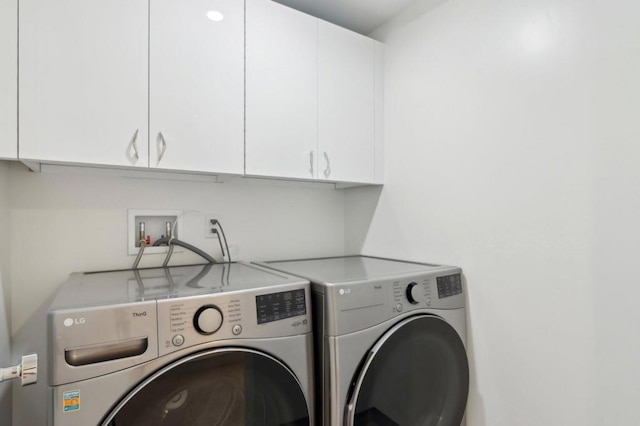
(278, 306)
(449, 285)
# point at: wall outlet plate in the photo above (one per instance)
(209, 227)
(155, 224)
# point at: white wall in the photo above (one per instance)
(63, 223)
(513, 147)
(5, 264)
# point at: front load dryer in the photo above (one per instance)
(216, 344)
(390, 341)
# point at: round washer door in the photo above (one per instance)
(416, 374)
(217, 387)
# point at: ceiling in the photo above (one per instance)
(361, 16)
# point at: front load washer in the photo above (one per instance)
(216, 344)
(390, 340)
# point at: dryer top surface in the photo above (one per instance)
(334, 270)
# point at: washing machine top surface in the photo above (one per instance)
(336, 270)
(85, 289)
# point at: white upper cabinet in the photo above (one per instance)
(83, 81)
(196, 86)
(346, 104)
(282, 91)
(313, 98)
(191, 86)
(8, 78)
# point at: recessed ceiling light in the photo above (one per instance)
(215, 16)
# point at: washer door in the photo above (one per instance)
(417, 374)
(218, 387)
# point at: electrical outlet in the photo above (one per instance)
(209, 227)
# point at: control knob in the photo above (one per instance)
(414, 293)
(207, 319)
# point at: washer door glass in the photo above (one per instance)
(218, 387)
(417, 374)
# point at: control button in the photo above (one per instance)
(207, 319)
(399, 307)
(428, 301)
(237, 329)
(178, 340)
(414, 293)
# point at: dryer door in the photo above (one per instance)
(416, 374)
(217, 387)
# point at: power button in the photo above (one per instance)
(178, 340)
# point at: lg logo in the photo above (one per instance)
(73, 321)
(344, 291)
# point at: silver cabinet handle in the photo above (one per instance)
(27, 370)
(134, 145)
(311, 163)
(163, 146)
(327, 169)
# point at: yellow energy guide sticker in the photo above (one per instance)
(71, 401)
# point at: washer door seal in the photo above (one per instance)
(417, 374)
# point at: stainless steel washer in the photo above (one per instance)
(227, 344)
(390, 340)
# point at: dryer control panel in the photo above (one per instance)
(436, 292)
(358, 305)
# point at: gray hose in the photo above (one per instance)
(194, 249)
(143, 244)
(168, 256)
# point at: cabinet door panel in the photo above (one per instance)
(281, 105)
(379, 113)
(197, 85)
(8, 78)
(83, 81)
(346, 112)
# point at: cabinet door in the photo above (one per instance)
(8, 78)
(196, 89)
(281, 104)
(346, 98)
(83, 81)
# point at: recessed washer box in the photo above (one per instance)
(155, 226)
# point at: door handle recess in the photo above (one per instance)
(101, 352)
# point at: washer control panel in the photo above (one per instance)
(281, 305)
(187, 321)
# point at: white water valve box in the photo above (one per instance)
(153, 224)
